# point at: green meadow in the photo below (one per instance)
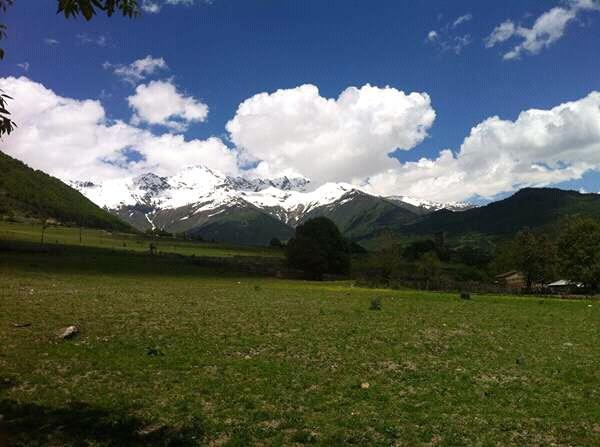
(61, 235)
(173, 354)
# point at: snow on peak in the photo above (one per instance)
(204, 189)
(432, 205)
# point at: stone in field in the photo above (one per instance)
(68, 332)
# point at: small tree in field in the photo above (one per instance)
(579, 248)
(318, 248)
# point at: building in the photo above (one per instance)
(513, 280)
(564, 287)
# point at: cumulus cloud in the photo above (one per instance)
(546, 30)
(73, 139)
(138, 70)
(540, 148)
(329, 139)
(160, 103)
(51, 42)
(298, 131)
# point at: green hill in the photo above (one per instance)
(244, 226)
(360, 216)
(25, 192)
(530, 207)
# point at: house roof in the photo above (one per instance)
(507, 274)
(564, 283)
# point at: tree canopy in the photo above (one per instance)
(534, 256)
(579, 248)
(319, 248)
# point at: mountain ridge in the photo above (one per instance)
(190, 198)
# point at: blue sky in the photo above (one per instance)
(223, 52)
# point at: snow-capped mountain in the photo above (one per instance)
(202, 189)
(430, 206)
(198, 197)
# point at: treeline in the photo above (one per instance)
(572, 253)
(569, 251)
(25, 192)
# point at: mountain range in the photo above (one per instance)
(202, 202)
(199, 201)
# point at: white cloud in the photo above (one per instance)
(50, 41)
(297, 130)
(462, 19)
(86, 39)
(432, 36)
(155, 6)
(24, 66)
(160, 103)
(138, 70)
(73, 139)
(150, 7)
(447, 39)
(540, 148)
(546, 30)
(501, 33)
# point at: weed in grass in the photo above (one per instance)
(375, 304)
(304, 437)
(154, 352)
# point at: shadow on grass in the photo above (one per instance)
(27, 424)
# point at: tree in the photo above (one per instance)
(318, 248)
(429, 266)
(579, 248)
(534, 256)
(69, 8)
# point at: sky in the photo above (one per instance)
(448, 101)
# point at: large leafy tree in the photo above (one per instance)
(579, 248)
(69, 8)
(319, 248)
(534, 256)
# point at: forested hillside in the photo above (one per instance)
(529, 207)
(25, 192)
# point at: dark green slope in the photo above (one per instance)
(530, 207)
(29, 193)
(243, 225)
(360, 216)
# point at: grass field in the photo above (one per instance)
(123, 241)
(171, 354)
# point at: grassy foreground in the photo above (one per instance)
(170, 354)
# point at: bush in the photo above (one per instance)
(318, 248)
